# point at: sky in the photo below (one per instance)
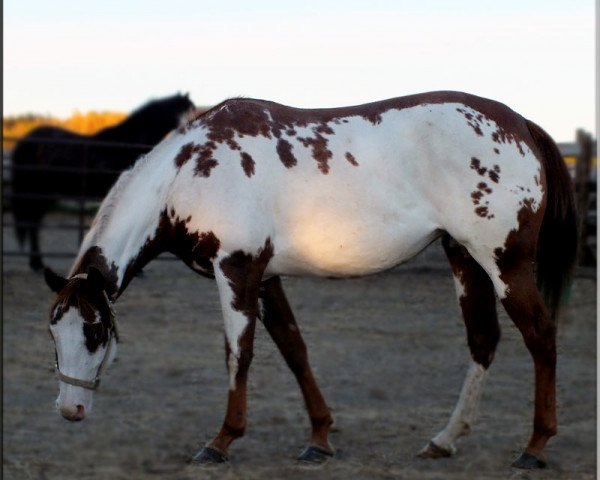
(537, 56)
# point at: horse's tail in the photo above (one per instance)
(557, 242)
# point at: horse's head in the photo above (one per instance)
(83, 327)
(150, 123)
(183, 102)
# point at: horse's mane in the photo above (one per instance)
(112, 198)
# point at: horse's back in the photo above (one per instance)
(349, 191)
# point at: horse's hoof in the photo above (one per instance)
(314, 455)
(431, 450)
(210, 456)
(527, 461)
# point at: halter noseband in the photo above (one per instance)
(113, 334)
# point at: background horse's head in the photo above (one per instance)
(150, 123)
(83, 327)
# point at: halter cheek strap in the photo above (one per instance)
(89, 384)
(113, 334)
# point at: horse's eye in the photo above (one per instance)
(94, 330)
(58, 311)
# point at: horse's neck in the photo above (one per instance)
(126, 232)
(121, 132)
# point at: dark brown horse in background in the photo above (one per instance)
(52, 163)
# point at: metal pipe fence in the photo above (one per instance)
(575, 154)
(83, 201)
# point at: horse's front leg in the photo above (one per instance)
(279, 321)
(238, 279)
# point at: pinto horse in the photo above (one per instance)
(50, 162)
(253, 190)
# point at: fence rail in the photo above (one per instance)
(580, 157)
(85, 174)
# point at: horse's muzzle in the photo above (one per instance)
(73, 413)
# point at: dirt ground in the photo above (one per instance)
(389, 352)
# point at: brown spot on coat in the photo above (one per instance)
(284, 150)
(190, 246)
(351, 159)
(476, 165)
(483, 186)
(244, 273)
(172, 235)
(476, 196)
(520, 242)
(493, 173)
(478, 303)
(248, 117)
(474, 121)
(482, 211)
(503, 136)
(247, 164)
(184, 154)
(320, 152)
(94, 258)
(373, 117)
(205, 161)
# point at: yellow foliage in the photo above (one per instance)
(84, 123)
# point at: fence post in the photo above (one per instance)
(583, 169)
(82, 194)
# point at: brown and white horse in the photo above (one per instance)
(253, 190)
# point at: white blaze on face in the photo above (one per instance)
(74, 359)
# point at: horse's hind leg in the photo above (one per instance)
(477, 300)
(526, 308)
(512, 272)
(279, 321)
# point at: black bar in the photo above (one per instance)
(59, 226)
(77, 141)
(53, 168)
(16, 253)
(50, 196)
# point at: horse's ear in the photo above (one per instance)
(54, 280)
(96, 279)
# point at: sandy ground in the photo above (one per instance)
(389, 352)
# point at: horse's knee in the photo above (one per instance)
(540, 339)
(483, 345)
(245, 359)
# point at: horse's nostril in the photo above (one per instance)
(73, 413)
(80, 415)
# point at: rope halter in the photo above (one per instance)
(113, 334)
